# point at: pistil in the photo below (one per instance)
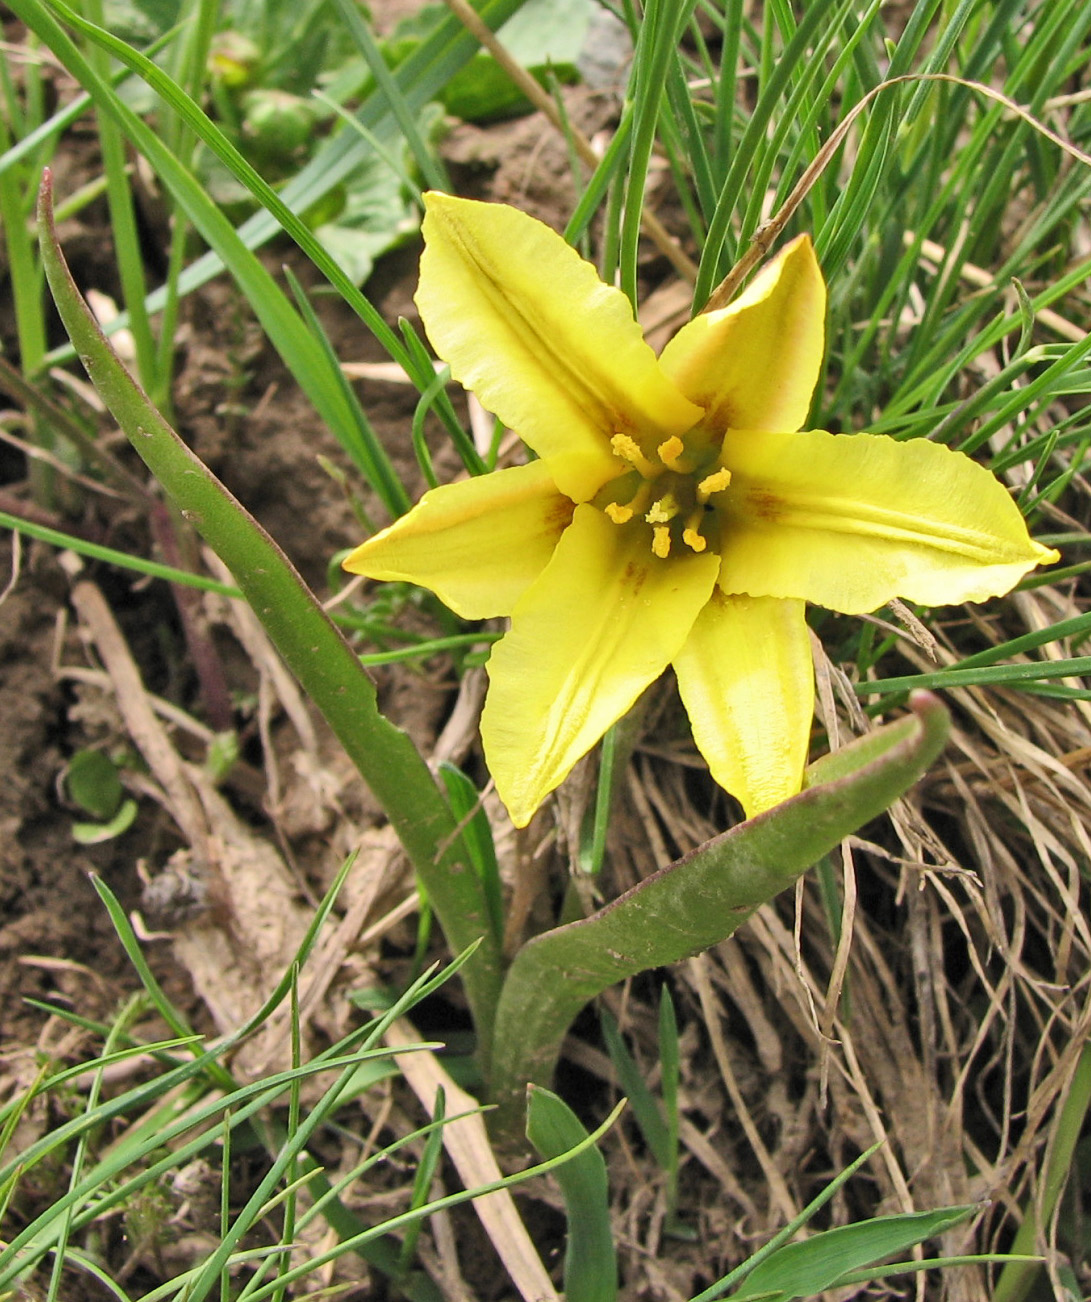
(664, 509)
(671, 493)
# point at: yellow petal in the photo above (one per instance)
(755, 363)
(525, 323)
(478, 544)
(747, 683)
(851, 520)
(602, 622)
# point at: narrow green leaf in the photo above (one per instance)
(671, 1068)
(590, 1260)
(431, 169)
(301, 352)
(784, 1235)
(985, 675)
(642, 1102)
(366, 449)
(420, 77)
(465, 801)
(422, 1179)
(96, 552)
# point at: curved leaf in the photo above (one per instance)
(324, 663)
(699, 900)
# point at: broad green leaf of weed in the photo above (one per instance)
(543, 35)
(142, 20)
(377, 215)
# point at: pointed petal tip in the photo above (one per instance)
(442, 207)
(355, 562)
(850, 521)
(526, 324)
(755, 363)
(799, 249)
(520, 812)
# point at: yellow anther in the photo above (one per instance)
(691, 534)
(714, 483)
(661, 541)
(663, 509)
(623, 512)
(670, 453)
(627, 448)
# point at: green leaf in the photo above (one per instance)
(96, 833)
(141, 20)
(376, 215)
(546, 31)
(91, 781)
(545, 36)
(590, 1262)
(807, 1268)
(313, 649)
(699, 900)
(465, 801)
(655, 1130)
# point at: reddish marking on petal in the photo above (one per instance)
(765, 505)
(634, 577)
(560, 513)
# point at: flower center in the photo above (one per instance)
(671, 495)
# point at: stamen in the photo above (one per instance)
(626, 447)
(663, 509)
(714, 483)
(670, 453)
(623, 512)
(691, 534)
(661, 541)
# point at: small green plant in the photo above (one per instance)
(92, 783)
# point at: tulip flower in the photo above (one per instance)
(674, 514)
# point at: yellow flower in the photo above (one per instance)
(674, 515)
